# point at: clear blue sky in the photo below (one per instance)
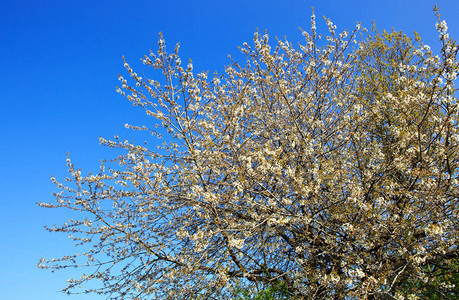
(59, 65)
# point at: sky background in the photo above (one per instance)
(59, 64)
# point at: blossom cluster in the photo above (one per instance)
(332, 169)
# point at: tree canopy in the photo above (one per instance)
(328, 170)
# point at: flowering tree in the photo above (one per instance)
(328, 171)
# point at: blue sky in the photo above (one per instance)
(59, 65)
